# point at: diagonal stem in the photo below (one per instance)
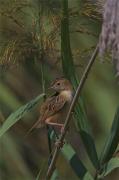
(69, 114)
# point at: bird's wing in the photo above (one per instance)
(52, 106)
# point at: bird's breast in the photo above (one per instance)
(67, 94)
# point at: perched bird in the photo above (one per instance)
(54, 110)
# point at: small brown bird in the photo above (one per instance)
(53, 111)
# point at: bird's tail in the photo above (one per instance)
(37, 124)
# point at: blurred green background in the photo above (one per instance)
(29, 42)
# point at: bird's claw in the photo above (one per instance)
(59, 144)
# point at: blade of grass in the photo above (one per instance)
(69, 71)
(112, 140)
(109, 167)
(75, 163)
(55, 175)
(18, 114)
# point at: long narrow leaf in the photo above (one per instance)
(17, 115)
(69, 71)
(109, 167)
(55, 175)
(112, 140)
(75, 163)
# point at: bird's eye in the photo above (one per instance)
(58, 84)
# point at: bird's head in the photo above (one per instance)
(61, 84)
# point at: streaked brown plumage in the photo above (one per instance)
(53, 111)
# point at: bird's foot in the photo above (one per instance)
(59, 144)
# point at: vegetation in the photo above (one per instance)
(42, 40)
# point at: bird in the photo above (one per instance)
(54, 109)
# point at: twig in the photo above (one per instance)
(69, 114)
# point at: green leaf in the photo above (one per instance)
(90, 147)
(109, 167)
(75, 163)
(88, 177)
(67, 60)
(17, 115)
(55, 175)
(112, 140)
(69, 72)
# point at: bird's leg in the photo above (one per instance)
(55, 124)
(48, 121)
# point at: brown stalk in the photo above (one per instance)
(69, 114)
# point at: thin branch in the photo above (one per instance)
(69, 114)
